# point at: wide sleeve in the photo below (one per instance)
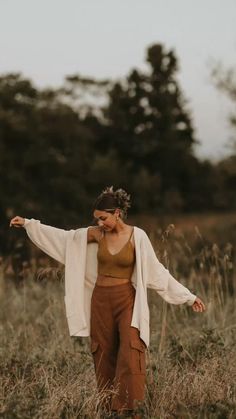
(50, 240)
(160, 279)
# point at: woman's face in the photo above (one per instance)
(106, 220)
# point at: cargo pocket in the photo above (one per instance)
(137, 357)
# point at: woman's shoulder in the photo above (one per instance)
(142, 236)
(140, 231)
(94, 234)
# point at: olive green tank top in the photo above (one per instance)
(118, 265)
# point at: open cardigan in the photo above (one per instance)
(70, 248)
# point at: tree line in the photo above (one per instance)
(60, 147)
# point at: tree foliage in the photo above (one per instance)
(60, 147)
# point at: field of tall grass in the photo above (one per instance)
(191, 361)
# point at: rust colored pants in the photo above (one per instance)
(118, 351)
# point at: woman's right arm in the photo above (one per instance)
(94, 234)
(50, 240)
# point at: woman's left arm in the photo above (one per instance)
(161, 280)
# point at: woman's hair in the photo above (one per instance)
(109, 200)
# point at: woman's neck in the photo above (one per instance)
(120, 228)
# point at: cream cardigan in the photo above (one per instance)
(70, 247)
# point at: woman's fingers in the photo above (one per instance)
(198, 305)
(203, 306)
(17, 221)
(13, 221)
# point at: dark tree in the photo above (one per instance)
(151, 128)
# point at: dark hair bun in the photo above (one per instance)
(110, 199)
(121, 197)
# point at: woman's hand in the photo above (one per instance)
(17, 222)
(198, 305)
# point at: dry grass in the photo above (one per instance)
(191, 362)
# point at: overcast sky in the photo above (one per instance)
(48, 39)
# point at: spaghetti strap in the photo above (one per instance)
(131, 233)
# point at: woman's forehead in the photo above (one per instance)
(99, 213)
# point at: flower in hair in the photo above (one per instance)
(121, 197)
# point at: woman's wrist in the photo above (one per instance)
(192, 299)
(26, 221)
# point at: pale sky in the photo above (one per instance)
(49, 39)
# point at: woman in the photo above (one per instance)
(108, 269)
